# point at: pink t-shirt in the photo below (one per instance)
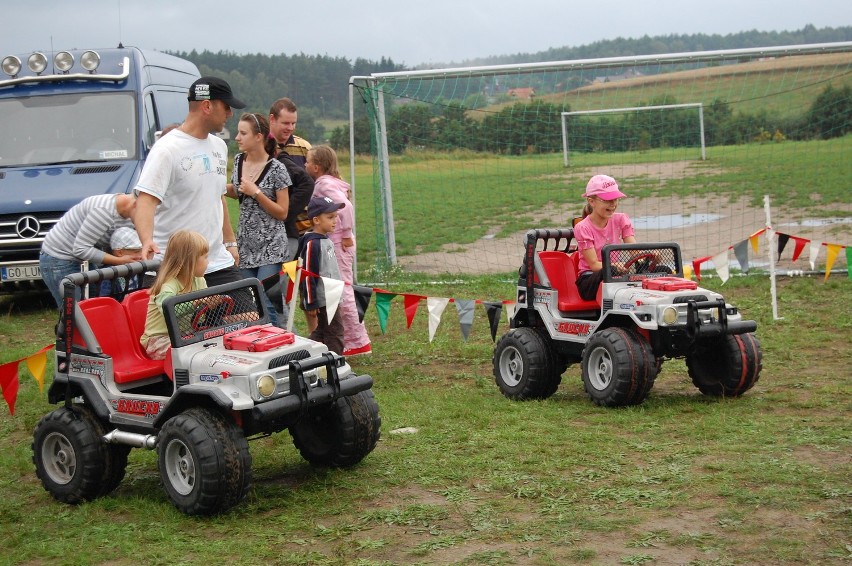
(590, 236)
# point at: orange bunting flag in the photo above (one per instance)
(833, 250)
(411, 303)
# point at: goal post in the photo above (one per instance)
(453, 165)
(698, 105)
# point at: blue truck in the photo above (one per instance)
(75, 124)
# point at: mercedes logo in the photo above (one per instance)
(28, 227)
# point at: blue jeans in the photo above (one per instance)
(53, 271)
(264, 272)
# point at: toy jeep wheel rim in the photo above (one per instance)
(600, 369)
(60, 460)
(511, 366)
(180, 467)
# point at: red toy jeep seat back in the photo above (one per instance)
(561, 269)
(111, 326)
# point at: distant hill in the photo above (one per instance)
(319, 83)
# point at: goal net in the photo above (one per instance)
(462, 162)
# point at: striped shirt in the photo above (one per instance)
(82, 229)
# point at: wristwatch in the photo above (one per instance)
(230, 244)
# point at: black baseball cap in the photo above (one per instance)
(214, 88)
(319, 205)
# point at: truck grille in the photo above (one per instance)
(17, 227)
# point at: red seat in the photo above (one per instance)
(111, 326)
(561, 269)
(136, 306)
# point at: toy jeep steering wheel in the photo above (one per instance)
(649, 256)
(200, 320)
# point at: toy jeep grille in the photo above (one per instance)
(287, 358)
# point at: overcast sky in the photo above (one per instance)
(411, 32)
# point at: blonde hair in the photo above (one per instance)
(326, 159)
(182, 252)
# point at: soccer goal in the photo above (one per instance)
(698, 105)
(453, 166)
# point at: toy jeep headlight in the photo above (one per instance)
(669, 315)
(266, 385)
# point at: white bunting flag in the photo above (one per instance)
(333, 291)
(436, 306)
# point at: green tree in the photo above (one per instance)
(830, 115)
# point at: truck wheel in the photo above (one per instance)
(619, 368)
(70, 458)
(525, 366)
(204, 462)
(727, 367)
(340, 434)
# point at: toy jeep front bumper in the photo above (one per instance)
(698, 328)
(302, 396)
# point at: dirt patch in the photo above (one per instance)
(702, 226)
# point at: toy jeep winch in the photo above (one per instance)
(229, 376)
(645, 312)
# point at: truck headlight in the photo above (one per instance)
(669, 315)
(37, 62)
(266, 385)
(63, 61)
(90, 60)
(11, 66)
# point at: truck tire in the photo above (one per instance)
(619, 368)
(525, 366)
(340, 434)
(70, 458)
(204, 462)
(727, 367)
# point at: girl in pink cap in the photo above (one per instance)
(602, 226)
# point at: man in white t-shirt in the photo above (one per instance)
(182, 184)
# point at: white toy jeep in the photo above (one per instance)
(229, 376)
(645, 312)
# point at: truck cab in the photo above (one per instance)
(75, 124)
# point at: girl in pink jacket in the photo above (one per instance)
(322, 166)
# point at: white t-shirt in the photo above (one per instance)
(188, 175)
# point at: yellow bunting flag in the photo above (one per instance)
(833, 250)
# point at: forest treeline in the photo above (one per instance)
(319, 83)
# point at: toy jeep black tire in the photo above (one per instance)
(340, 435)
(71, 461)
(204, 462)
(524, 365)
(619, 368)
(727, 367)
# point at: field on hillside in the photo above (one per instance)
(783, 86)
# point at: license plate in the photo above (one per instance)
(20, 273)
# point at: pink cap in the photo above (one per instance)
(604, 187)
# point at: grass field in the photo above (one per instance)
(681, 479)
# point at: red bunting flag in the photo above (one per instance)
(411, 303)
(9, 383)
